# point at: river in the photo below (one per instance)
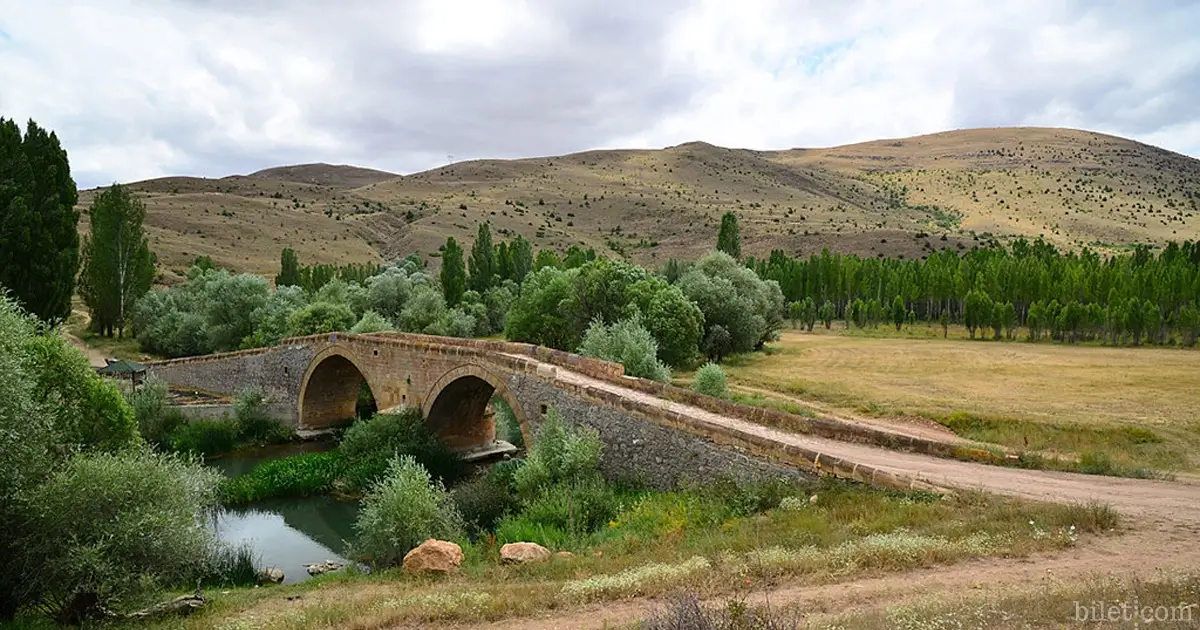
(286, 533)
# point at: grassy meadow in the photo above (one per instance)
(1136, 406)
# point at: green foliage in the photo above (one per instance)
(710, 380)
(483, 501)
(89, 410)
(729, 239)
(675, 322)
(371, 322)
(39, 237)
(425, 307)
(270, 321)
(369, 445)
(733, 297)
(289, 268)
(520, 251)
(897, 313)
(576, 507)
(538, 315)
(401, 510)
(454, 272)
(483, 260)
(303, 475)
(205, 436)
(155, 419)
(629, 343)
(743, 498)
(254, 423)
(561, 454)
(108, 527)
(230, 565)
(118, 267)
(320, 317)
(977, 311)
(508, 428)
(388, 292)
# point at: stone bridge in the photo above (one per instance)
(657, 433)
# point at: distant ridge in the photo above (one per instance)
(321, 174)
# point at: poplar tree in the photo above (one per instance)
(454, 273)
(729, 239)
(118, 267)
(289, 269)
(483, 260)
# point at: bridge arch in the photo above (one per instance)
(329, 390)
(455, 408)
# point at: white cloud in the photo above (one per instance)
(209, 87)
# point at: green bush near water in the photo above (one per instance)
(303, 475)
(369, 445)
(403, 509)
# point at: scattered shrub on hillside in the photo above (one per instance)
(369, 445)
(629, 343)
(710, 380)
(402, 510)
(561, 454)
(113, 527)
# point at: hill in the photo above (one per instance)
(902, 196)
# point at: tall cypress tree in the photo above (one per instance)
(454, 273)
(483, 260)
(118, 268)
(39, 238)
(729, 239)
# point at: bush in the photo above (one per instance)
(111, 527)
(710, 381)
(517, 528)
(629, 343)
(734, 298)
(402, 510)
(149, 405)
(746, 498)
(320, 317)
(686, 611)
(369, 445)
(297, 476)
(483, 501)
(561, 454)
(229, 565)
(507, 426)
(254, 423)
(577, 508)
(205, 436)
(371, 322)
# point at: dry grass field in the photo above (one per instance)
(1134, 405)
(888, 197)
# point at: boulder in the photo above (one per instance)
(322, 567)
(522, 552)
(433, 556)
(270, 576)
(564, 555)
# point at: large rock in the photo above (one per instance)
(433, 556)
(522, 552)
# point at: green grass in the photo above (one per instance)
(706, 539)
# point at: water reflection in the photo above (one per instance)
(290, 533)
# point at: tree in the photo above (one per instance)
(626, 342)
(482, 263)
(520, 253)
(796, 313)
(118, 268)
(898, 312)
(39, 238)
(454, 273)
(289, 269)
(809, 313)
(977, 311)
(751, 310)
(321, 317)
(828, 313)
(729, 239)
(944, 321)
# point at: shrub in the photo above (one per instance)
(750, 310)
(560, 454)
(401, 510)
(507, 426)
(229, 565)
(710, 381)
(686, 611)
(516, 528)
(369, 445)
(626, 342)
(149, 405)
(371, 322)
(254, 423)
(746, 498)
(113, 527)
(483, 501)
(577, 507)
(320, 317)
(205, 436)
(297, 476)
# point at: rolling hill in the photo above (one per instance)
(902, 196)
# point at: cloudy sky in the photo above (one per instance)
(144, 88)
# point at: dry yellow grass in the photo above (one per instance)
(1074, 187)
(1050, 384)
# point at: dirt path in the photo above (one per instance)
(1165, 520)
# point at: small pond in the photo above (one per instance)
(286, 533)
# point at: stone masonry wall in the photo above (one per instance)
(640, 449)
